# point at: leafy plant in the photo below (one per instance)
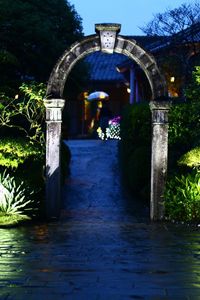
(135, 148)
(192, 92)
(15, 151)
(185, 117)
(14, 206)
(182, 198)
(191, 158)
(25, 112)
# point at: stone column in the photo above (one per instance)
(159, 157)
(53, 138)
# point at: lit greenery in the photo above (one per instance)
(191, 158)
(25, 113)
(182, 198)
(184, 123)
(182, 194)
(14, 152)
(7, 220)
(14, 206)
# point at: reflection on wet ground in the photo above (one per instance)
(103, 247)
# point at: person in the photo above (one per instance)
(104, 117)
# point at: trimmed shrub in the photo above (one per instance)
(135, 148)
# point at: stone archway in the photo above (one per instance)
(106, 40)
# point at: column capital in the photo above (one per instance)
(159, 105)
(159, 112)
(54, 109)
(54, 103)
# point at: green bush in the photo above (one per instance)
(138, 170)
(182, 198)
(23, 115)
(191, 159)
(135, 148)
(182, 194)
(15, 151)
(184, 125)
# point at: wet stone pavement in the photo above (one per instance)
(103, 247)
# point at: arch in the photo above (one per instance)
(106, 41)
(89, 44)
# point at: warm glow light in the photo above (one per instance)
(16, 97)
(102, 96)
(85, 95)
(128, 90)
(99, 104)
(172, 79)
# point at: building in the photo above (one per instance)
(125, 82)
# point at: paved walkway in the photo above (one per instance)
(103, 247)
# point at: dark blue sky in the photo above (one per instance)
(131, 14)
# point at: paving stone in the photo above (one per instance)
(103, 247)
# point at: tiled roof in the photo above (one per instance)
(103, 66)
(189, 35)
(146, 40)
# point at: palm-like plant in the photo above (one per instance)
(13, 200)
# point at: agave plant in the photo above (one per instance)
(13, 197)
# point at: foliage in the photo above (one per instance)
(138, 169)
(182, 194)
(191, 159)
(7, 220)
(182, 198)
(33, 34)
(183, 119)
(135, 147)
(136, 124)
(22, 144)
(13, 197)
(178, 29)
(25, 112)
(14, 152)
(192, 92)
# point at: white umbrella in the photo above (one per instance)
(98, 96)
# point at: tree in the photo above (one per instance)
(174, 21)
(179, 29)
(33, 34)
